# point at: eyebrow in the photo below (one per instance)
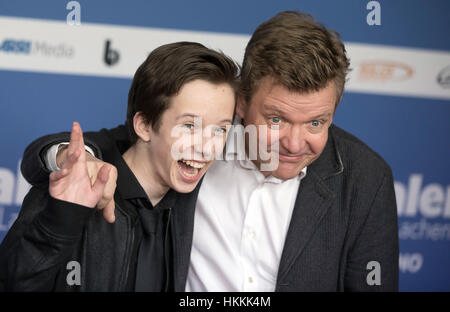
(273, 109)
(193, 116)
(186, 115)
(277, 111)
(326, 115)
(270, 108)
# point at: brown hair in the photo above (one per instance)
(166, 70)
(301, 54)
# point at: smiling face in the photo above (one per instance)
(303, 120)
(198, 100)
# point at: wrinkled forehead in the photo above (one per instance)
(272, 95)
(269, 82)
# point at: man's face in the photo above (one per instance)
(196, 122)
(303, 120)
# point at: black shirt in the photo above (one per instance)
(153, 255)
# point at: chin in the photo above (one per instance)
(183, 187)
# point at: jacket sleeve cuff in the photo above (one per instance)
(63, 218)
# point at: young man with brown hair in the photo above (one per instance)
(130, 247)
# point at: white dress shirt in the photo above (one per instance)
(241, 222)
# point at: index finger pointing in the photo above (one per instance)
(76, 140)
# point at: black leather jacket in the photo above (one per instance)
(39, 251)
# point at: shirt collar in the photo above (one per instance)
(127, 183)
(130, 188)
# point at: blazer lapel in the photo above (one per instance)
(314, 198)
(313, 201)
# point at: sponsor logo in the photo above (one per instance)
(16, 46)
(384, 71)
(13, 188)
(111, 57)
(410, 262)
(424, 210)
(38, 47)
(430, 201)
(443, 78)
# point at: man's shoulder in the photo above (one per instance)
(118, 133)
(109, 139)
(357, 154)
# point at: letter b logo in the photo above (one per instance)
(111, 56)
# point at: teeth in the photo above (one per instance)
(193, 174)
(194, 164)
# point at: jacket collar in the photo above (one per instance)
(112, 147)
(314, 198)
(329, 162)
(110, 150)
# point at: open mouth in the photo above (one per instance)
(191, 170)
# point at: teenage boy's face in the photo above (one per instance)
(192, 130)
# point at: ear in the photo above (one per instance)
(142, 128)
(241, 106)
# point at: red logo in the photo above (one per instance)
(384, 71)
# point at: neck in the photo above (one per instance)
(258, 166)
(138, 161)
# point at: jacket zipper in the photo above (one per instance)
(166, 259)
(129, 252)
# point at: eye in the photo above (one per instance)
(220, 131)
(188, 126)
(275, 120)
(315, 123)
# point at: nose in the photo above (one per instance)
(206, 143)
(212, 145)
(197, 146)
(293, 139)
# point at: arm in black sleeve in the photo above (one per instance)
(33, 165)
(40, 241)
